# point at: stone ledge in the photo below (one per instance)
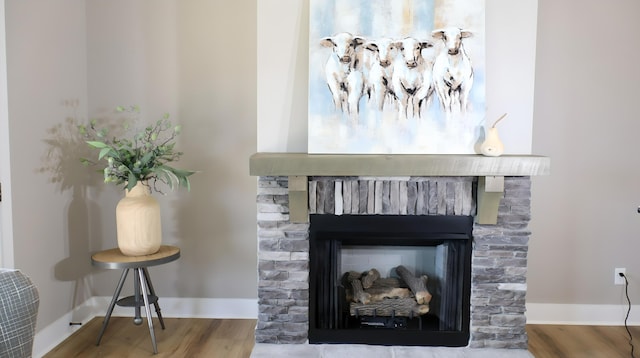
(266, 350)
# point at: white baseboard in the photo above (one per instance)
(49, 337)
(576, 314)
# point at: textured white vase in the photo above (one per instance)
(138, 222)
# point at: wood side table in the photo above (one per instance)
(144, 294)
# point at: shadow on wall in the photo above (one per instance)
(61, 164)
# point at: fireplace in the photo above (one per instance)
(390, 280)
(493, 193)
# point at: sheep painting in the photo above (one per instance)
(393, 77)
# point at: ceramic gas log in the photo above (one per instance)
(387, 297)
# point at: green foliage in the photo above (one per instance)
(143, 156)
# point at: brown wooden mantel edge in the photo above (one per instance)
(489, 170)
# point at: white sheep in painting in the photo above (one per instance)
(343, 71)
(452, 70)
(423, 97)
(408, 75)
(383, 53)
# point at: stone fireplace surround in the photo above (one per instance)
(422, 185)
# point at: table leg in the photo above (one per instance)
(152, 292)
(143, 285)
(137, 320)
(116, 294)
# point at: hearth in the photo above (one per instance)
(415, 289)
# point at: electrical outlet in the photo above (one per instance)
(617, 279)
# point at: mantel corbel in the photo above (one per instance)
(299, 199)
(490, 192)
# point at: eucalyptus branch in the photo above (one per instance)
(141, 157)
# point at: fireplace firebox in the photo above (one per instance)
(390, 279)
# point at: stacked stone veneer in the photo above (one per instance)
(499, 259)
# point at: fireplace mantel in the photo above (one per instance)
(490, 170)
(287, 164)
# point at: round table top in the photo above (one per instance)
(114, 259)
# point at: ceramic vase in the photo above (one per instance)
(138, 222)
(492, 145)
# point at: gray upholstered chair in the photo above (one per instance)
(19, 303)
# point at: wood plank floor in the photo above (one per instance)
(233, 338)
(183, 337)
(582, 341)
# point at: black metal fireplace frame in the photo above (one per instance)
(331, 231)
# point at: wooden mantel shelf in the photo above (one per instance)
(491, 170)
(266, 164)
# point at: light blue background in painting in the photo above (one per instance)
(386, 132)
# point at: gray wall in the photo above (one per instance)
(180, 57)
(586, 107)
(46, 64)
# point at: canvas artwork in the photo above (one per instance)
(396, 76)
